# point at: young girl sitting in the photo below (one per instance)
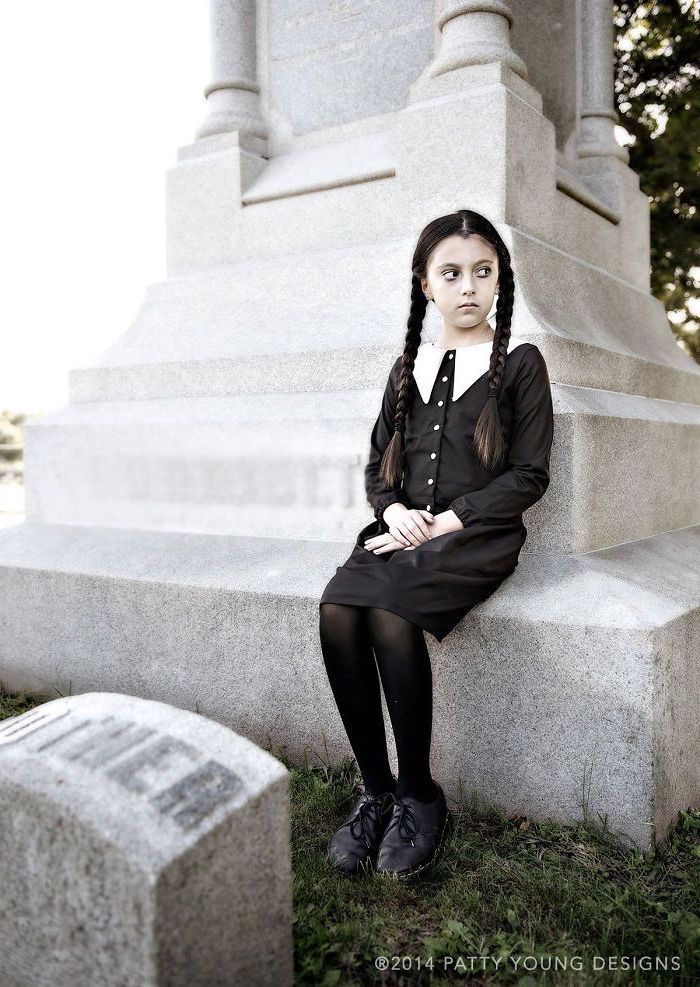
(460, 449)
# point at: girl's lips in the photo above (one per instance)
(469, 305)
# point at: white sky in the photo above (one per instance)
(95, 100)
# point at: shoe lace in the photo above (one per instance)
(368, 815)
(405, 820)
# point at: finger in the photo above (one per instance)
(408, 528)
(377, 540)
(391, 547)
(427, 518)
(398, 534)
(423, 528)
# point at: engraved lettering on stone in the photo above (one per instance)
(342, 52)
(157, 758)
(92, 744)
(107, 741)
(196, 796)
(66, 735)
(18, 727)
(249, 480)
(329, 64)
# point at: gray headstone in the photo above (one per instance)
(141, 845)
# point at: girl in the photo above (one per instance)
(460, 449)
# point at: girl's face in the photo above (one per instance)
(462, 270)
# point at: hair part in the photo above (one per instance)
(489, 442)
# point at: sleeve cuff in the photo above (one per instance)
(461, 512)
(395, 497)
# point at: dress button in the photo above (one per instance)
(430, 481)
(452, 356)
(428, 507)
(440, 404)
(435, 428)
(444, 378)
(433, 455)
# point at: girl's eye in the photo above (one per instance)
(487, 269)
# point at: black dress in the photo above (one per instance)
(435, 584)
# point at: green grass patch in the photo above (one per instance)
(547, 902)
(12, 704)
(511, 901)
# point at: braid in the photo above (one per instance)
(391, 468)
(489, 441)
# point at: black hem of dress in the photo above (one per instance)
(399, 611)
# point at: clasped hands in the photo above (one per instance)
(410, 527)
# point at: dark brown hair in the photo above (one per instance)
(489, 443)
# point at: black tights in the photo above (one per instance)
(348, 635)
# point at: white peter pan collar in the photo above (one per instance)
(471, 362)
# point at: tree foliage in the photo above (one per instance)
(658, 97)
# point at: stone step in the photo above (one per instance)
(334, 405)
(278, 372)
(335, 318)
(588, 655)
(260, 306)
(292, 465)
(320, 370)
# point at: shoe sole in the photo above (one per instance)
(413, 871)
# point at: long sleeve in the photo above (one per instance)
(379, 495)
(522, 485)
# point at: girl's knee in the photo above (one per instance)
(338, 615)
(389, 626)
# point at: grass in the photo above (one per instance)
(14, 704)
(542, 900)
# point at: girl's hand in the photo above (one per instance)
(441, 524)
(408, 528)
(381, 544)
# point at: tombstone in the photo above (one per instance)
(141, 844)
(217, 448)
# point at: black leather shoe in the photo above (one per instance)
(355, 843)
(414, 835)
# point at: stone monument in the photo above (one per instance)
(216, 450)
(141, 845)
